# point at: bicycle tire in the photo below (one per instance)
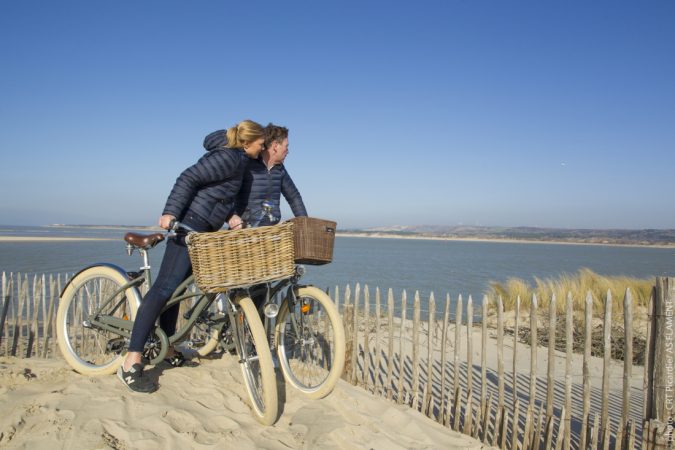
(311, 343)
(204, 336)
(255, 360)
(211, 339)
(88, 350)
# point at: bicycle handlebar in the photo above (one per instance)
(264, 213)
(175, 225)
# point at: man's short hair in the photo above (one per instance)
(275, 133)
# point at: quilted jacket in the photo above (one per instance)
(209, 187)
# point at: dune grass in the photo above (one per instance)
(578, 285)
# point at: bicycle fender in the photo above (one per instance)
(137, 295)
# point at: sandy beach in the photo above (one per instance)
(44, 404)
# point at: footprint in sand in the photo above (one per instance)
(210, 431)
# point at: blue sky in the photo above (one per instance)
(557, 114)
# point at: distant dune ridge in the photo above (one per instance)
(652, 237)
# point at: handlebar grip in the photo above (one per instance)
(175, 225)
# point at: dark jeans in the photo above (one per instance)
(175, 268)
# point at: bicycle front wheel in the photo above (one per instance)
(89, 349)
(256, 364)
(311, 342)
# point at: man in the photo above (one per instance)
(265, 180)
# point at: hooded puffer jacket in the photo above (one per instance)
(261, 184)
(209, 187)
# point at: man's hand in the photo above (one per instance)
(235, 222)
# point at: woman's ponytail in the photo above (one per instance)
(244, 133)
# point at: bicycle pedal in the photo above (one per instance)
(116, 345)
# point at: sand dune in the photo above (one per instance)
(44, 404)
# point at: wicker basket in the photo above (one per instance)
(314, 239)
(225, 259)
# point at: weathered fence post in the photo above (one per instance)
(427, 406)
(588, 330)
(355, 336)
(444, 335)
(366, 337)
(349, 334)
(469, 367)
(607, 339)
(660, 394)
(6, 297)
(390, 343)
(47, 320)
(416, 351)
(402, 336)
(624, 425)
(376, 373)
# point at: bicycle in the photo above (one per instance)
(98, 306)
(304, 329)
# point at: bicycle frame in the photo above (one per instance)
(271, 291)
(181, 294)
(139, 280)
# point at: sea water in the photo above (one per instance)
(443, 267)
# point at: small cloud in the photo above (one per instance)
(563, 163)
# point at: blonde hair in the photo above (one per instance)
(244, 133)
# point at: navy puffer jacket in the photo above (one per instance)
(259, 185)
(209, 187)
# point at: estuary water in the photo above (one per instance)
(444, 267)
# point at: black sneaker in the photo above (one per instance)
(134, 379)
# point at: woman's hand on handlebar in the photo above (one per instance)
(166, 221)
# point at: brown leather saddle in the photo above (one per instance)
(144, 241)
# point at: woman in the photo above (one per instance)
(203, 198)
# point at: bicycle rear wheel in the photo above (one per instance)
(311, 342)
(255, 361)
(88, 349)
(205, 338)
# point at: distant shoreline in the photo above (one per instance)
(106, 227)
(496, 240)
(358, 234)
(50, 239)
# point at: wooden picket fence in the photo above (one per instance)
(420, 363)
(437, 363)
(28, 314)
